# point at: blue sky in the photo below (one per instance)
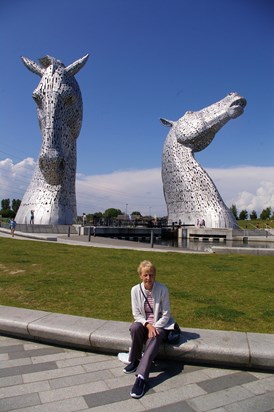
(148, 59)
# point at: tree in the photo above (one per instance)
(234, 211)
(253, 215)
(97, 218)
(243, 215)
(111, 213)
(136, 213)
(98, 214)
(5, 204)
(6, 210)
(266, 213)
(15, 205)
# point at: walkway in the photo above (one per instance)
(37, 377)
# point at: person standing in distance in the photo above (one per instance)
(12, 226)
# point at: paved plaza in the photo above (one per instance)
(37, 377)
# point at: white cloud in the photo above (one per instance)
(126, 190)
(248, 187)
(14, 178)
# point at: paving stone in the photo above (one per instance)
(55, 357)
(79, 379)
(216, 372)
(23, 389)
(174, 407)
(95, 366)
(35, 345)
(20, 370)
(260, 403)
(172, 396)
(15, 362)
(117, 371)
(217, 399)
(6, 341)
(228, 381)
(72, 391)
(9, 404)
(125, 380)
(52, 374)
(130, 405)
(106, 397)
(261, 375)
(165, 383)
(10, 381)
(193, 368)
(35, 352)
(67, 405)
(83, 359)
(11, 349)
(261, 386)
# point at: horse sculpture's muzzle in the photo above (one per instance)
(52, 166)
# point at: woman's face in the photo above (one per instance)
(148, 277)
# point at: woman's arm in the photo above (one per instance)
(164, 308)
(137, 305)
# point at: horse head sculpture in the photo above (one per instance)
(51, 193)
(189, 192)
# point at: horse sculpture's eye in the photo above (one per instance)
(69, 100)
(38, 99)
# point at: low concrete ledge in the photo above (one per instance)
(243, 250)
(239, 349)
(212, 346)
(48, 238)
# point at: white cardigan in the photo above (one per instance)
(161, 308)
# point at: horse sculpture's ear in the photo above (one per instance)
(166, 122)
(32, 66)
(74, 68)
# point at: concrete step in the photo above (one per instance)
(200, 346)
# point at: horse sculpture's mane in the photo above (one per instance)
(51, 193)
(190, 194)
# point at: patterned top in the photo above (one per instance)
(149, 313)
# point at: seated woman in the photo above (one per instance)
(151, 312)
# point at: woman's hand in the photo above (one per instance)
(152, 331)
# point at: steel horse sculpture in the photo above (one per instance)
(51, 193)
(190, 194)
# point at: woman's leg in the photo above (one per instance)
(138, 336)
(151, 351)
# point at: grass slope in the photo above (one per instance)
(228, 292)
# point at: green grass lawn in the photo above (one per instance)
(227, 292)
(252, 224)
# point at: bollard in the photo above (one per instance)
(151, 238)
(79, 230)
(89, 233)
(69, 231)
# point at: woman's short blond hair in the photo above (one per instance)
(146, 264)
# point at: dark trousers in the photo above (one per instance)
(139, 336)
